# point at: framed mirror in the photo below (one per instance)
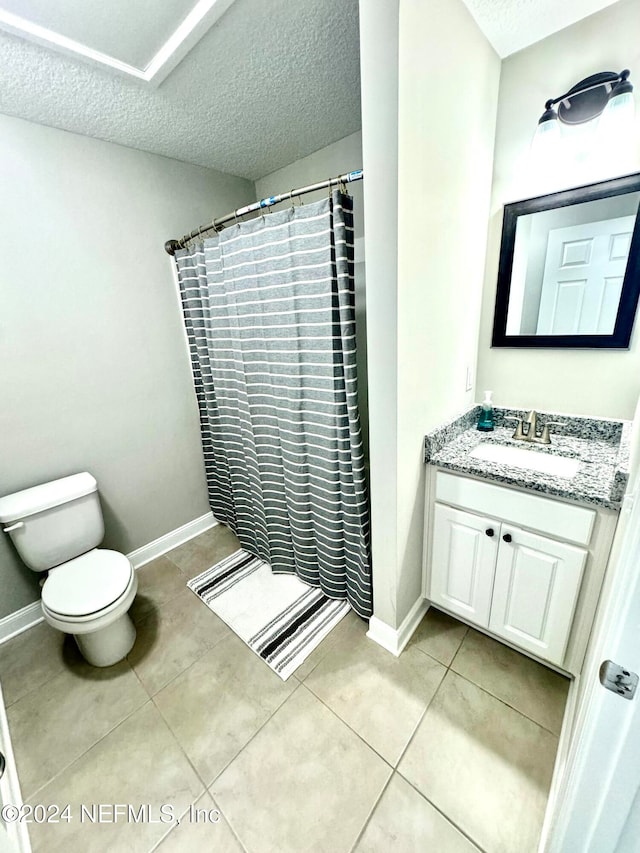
(569, 273)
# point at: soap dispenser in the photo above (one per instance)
(486, 419)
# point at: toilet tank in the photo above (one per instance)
(54, 522)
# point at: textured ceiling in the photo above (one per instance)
(130, 31)
(511, 25)
(268, 84)
(271, 82)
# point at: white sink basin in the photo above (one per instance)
(543, 463)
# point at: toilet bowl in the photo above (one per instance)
(89, 597)
(56, 528)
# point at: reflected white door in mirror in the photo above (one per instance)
(583, 275)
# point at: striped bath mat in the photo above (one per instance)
(278, 616)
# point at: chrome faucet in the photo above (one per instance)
(530, 434)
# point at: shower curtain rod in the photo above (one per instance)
(172, 246)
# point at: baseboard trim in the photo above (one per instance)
(153, 550)
(21, 620)
(394, 640)
(27, 617)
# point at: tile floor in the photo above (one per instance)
(448, 748)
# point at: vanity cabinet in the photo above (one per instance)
(520, 585)
(524, 568)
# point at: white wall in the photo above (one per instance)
(379, 93)
(428, 130)
(95, 373)
(449, 76)
(588, 382)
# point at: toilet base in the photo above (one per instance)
(109, 645)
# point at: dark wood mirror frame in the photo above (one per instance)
(630, 288)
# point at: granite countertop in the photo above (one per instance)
(601, 445)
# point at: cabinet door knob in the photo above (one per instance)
(489, 531)
(507, 537)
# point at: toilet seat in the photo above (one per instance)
(91, 584)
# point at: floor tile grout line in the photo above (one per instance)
(367, 820)
(33, 689)
(344, 723)
(236, 756)
(206, 786)
(437, 690)
(427, 654)
(176, 826)
(504, 702)
(433, 657)
(457, 651)
(144, 687)
(189, 665)
(397, 768)
(419, 723)
(242, 845)
(229, 823)
(155, 609)
(499, 698)
(181, 748)
(88, 749)
(205, 790)
(442, 813)
(363, 739)
(63, 666)
(479, 687)
(253, 736)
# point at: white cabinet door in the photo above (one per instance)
(463, 563)
(535, 592)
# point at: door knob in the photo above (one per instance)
(507, 537)
(489, 531)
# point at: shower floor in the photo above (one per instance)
(193, 744)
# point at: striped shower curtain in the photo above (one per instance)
(269, 311)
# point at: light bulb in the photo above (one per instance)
(615, 135)
(616, 121)
(546, 142)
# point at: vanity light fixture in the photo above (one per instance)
(607, 94)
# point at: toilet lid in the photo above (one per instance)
(87, 584)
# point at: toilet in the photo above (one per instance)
(56, 528)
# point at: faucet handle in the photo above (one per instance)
(545, 435)
(519, 433)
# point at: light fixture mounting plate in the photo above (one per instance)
(587, 99)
